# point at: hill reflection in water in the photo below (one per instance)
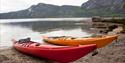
(41, 28)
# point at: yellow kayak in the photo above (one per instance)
(100, 41)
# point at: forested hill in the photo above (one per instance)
(87, 9)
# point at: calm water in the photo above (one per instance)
(36, 29)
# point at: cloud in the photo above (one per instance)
(14, 5)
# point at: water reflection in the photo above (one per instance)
(36, 29)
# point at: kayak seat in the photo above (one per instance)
(24, 40)
(73, 38)
(38, 44)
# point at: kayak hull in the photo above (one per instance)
(100, 42)
(62, 54)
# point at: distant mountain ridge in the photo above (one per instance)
(88, 9)
(114, 5)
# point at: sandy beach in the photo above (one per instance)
(112, 53)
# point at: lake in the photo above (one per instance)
(36, 28)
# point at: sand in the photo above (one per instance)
(113, 53)
(10, 55)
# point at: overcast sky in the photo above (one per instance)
(14, 5)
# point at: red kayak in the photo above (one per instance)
(61, 54)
